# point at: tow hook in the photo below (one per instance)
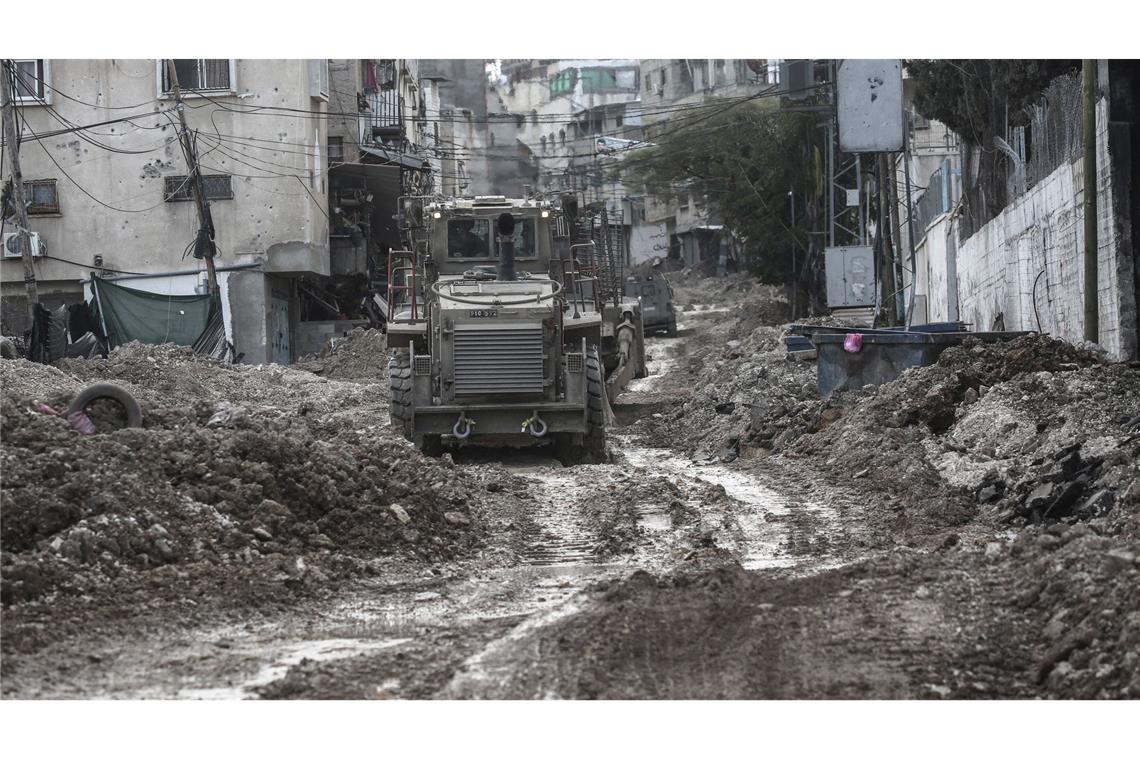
(462, 427)
(535, 425)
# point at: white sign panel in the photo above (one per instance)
(869, 102)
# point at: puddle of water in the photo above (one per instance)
(322, 650)
(761, 542)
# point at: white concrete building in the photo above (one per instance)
(113, 200)
(681, 224)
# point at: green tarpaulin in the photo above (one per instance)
(131, 314)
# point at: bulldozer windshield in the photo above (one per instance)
(469, 239)
(473, 239)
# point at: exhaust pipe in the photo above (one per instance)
(506, 227)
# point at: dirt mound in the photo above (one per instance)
(361, 355)
(232, 464)
(741, 387)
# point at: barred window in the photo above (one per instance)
(218, 187)
(198, 74)
(41, 197)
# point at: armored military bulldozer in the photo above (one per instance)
(500, 330)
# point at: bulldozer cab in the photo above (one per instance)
(463, 235)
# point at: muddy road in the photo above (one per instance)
(450, 629)
(677, 570)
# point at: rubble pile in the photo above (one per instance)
(692, 291)
(362, 355)
(745, 392)
(233, 467)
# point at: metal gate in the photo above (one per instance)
(279, 350)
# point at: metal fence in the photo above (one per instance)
(936, 200)
(1051, 137)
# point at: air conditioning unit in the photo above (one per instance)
(12, 245)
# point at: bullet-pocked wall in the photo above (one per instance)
(122, 203)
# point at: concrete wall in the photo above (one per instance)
(277, 213)
(648, 241)
(1042, 231)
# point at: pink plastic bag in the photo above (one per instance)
(81, 423)
(853, 343)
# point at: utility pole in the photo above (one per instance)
(886, 238)
(1088, 97)
(909, 229)
(795, 279)
(8, 85)
(204, 246)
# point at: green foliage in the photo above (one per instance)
(973, 96)
(744, 161)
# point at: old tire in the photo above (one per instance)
(93, 393)
(400, 408)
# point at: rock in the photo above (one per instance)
(262, 533)
(1120, 559)
(970, 396)
(990, 493)
(226, 416)
(1096, 505)
(1040, 496)
(862, 473)
(400, 513)
(426, 596)
(922, 592)
(993, 550)
(1048, 542)
(457, 518)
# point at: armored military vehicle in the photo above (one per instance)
(656, 297)
(502, 330)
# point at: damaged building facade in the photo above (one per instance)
(114, 202)
(304, 165)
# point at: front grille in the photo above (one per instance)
(574, 364)
(498, 359)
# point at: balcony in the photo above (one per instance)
(384, 119)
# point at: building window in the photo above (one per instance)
(31, 77)
(218, 187)
(619, 120)
(336, 150)
(41, 197)
(562, 83)
(206, 74)
(318, 78)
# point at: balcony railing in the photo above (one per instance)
(384, 117)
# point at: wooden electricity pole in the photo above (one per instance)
(205, 243)
(8, 85)
(1088, 97)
